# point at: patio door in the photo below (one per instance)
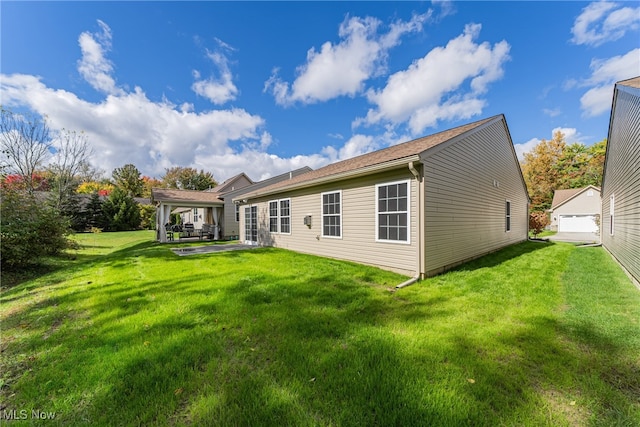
(251, 225)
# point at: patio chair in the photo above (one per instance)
(169, 230)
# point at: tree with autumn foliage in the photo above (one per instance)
(184, 178)
(90, 187)
(128, 179)
(149, 183)
(537, 222)
(555, 165)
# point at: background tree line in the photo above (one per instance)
(48, 189)
(555, 165)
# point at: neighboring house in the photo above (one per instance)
(621, 179)
(231, 186)
(576, 210)
(418, 208)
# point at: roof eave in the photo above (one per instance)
(367, 170)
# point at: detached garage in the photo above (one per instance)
(576, 210)
(577, 224)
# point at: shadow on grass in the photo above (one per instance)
(290, 344)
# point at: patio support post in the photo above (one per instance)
(216, 235)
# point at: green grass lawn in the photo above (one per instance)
(124, 332)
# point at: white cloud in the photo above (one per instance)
(603, 21)
(605, 73)
(129, 128)
(355, 146)
(221, 89)
(425, 93)
(525, 147)
(93, 66)
(342, 69)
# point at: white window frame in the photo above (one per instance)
(612, 215)
(237, 211)
(322, 214)
(279, 217)
(253, 214)
(272, 217)
(507, 216)
(408, 212)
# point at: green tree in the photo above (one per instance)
(128, 178)
(147, 217)
(184, 178)
(122, 212)
(30, 229)
(93, 213)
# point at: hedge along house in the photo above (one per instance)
(417, 208)
(621, 179)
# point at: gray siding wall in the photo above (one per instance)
(622, 179)
(230, 227)
(358, 242)
(466, 187)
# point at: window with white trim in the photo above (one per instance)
(285, 216)
(280, 216)
(332, 214)
(273, 216)
(237, 212)
(392, 212)
(611, 214)
(507, 215)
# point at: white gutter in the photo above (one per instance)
(415, 278)
(411, 281)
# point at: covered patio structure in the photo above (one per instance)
(166, 200)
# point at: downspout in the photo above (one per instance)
(415, 278)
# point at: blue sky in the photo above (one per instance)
(266, 87)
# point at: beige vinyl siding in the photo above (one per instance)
(622, 179)
(358, 240)
(467, 184)
(230, 226)
(582, 204)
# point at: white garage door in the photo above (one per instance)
(577, 224)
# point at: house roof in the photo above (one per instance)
(184, 196)
(268, 182)
(368, 162)
(633, 82)
(227, 185)
(560, 197)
